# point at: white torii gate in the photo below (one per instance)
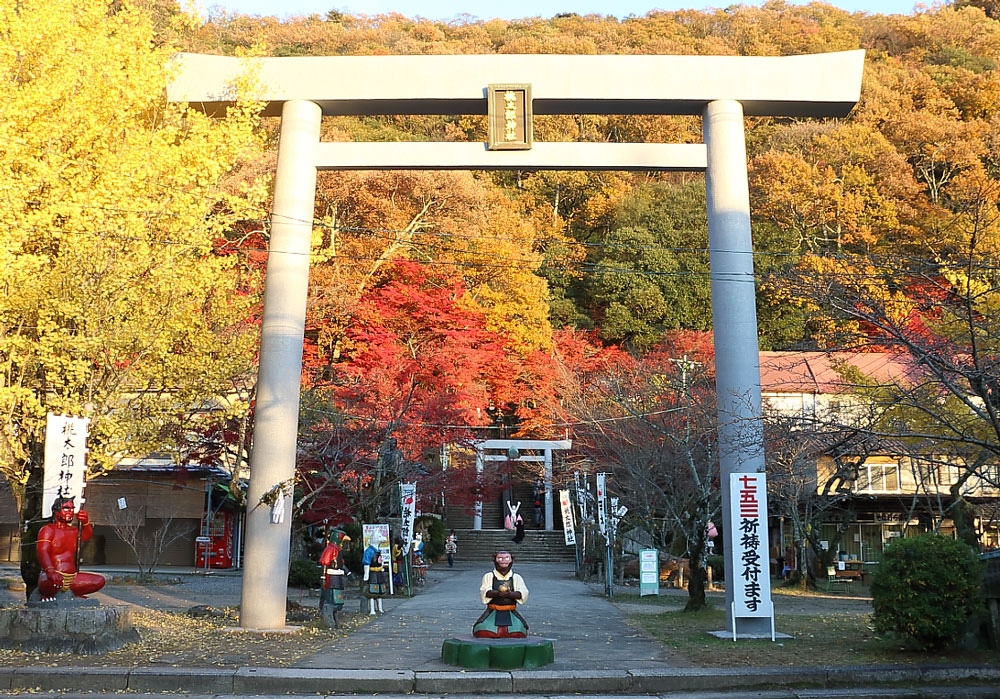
(543, 445)
(721, 89)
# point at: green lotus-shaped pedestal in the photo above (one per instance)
(501, 653)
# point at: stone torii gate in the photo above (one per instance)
(545, 446)
(721, 89)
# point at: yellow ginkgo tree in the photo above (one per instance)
(114, 300)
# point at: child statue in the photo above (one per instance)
(376, 575)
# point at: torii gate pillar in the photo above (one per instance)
(276, 420)
(734, 323)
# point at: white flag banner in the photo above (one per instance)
(602, 505)
(408, 512)
(581, 496)
(65, 460)
(569, 533)
(748, 545)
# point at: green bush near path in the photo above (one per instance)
(303, 572)
(927, 589)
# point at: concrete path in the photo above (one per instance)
(589, 632)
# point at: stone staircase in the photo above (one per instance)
(538, 545)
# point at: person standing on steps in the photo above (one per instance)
(451, 547)
(518, 530)
(539, 496)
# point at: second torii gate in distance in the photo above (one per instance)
(505, 445)
(720, 89)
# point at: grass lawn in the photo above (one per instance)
(823, 638)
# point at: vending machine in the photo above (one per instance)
(214, 547)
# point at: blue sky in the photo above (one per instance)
(512, 9)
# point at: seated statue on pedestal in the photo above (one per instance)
(500, 637)
(502, 591)
(56, 548)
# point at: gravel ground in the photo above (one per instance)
(223, 589)
(167, 593)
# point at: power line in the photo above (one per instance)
(501, 264)
(425, 425)
(384, 233)
(582, 267)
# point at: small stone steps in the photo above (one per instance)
(538, 545)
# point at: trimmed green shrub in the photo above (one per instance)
(718, 566)
(303, 572)
(434, 538)
(926, 588)
(355, 549)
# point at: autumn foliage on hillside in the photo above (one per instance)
(446, 307)
(856, 221)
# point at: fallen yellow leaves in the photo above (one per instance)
(173, 639)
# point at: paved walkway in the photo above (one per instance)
(398, 654)
(588, 631)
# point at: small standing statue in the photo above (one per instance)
(397, 559)
(511, 518)
(418, 549)
(376, 578)
(57, 553)
(332, 560)
(502, 591)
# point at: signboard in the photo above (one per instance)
(408, 511)
(748, 545)
(569, 533)
(65, 460)
(602, 505)
(508, 110)
(649, 572)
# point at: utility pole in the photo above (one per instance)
(685, 365)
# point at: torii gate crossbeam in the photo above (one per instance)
(721, 89)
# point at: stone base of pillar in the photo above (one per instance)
(81, 630)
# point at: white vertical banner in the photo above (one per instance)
(569, 533)
(602, 505)
(65, 460)
(615, 515)
(408, 512)
(581, 495)
(748, 545)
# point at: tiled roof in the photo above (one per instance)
(822, 372)
(157, 464)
